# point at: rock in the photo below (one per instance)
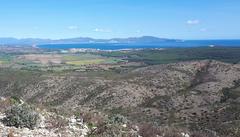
(185, 134)
(41, 122)
(2, 116)
(2, 98)
(73, 120)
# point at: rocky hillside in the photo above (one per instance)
(197, 95)
(17, 120)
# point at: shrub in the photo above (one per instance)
(15, 100)
(21, 116)
(117, 119)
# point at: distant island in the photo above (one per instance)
(84, 40)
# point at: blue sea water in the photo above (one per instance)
(172, 44)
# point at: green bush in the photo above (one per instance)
(117, 119)
(15, 100)
(21, 116)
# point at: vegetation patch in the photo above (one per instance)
(21, 116)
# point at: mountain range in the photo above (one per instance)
(84, 40)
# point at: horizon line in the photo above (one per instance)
(21, 38)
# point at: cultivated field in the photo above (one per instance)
(42, 58)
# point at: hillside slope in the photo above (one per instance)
(198, 95)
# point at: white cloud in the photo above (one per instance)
(72, 27)
(193, 22)
(102, 30)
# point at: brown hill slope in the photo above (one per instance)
(199, 94)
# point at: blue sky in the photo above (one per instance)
(182, 19)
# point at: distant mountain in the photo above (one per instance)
(36, 41)
(27, 41)
(144, 39)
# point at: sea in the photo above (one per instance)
(167, 44)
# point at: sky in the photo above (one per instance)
(181, 19)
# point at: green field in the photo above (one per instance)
(86, 62)
(6, 58)
(83, 59)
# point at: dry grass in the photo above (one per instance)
(4, 104)
(42, 58)
(147, 130)
(56, 122)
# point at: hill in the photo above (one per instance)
(83, 40)
(200, 95)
